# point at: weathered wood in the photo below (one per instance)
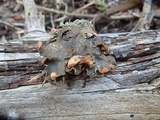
(130, 92)
(35, 23)
(120, 94)
(51, 102)
(137, 55)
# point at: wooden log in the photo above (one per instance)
(129, 92)
(137, 56)
(51, 102)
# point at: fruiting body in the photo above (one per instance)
(88, 61)
(53, 76)
(104, 70)
(39, 45)
(74, 61)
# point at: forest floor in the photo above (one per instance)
(119, 19)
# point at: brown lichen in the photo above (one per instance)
(75, 50)
(53, 76)
(74, 61)
(39, 45)
(88, 61)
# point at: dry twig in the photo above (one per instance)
(61, 12)
(121, 7)
(8, 24)
(149, 11)
(76, 11)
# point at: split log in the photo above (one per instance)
(130, 91)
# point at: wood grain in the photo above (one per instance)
(129, 92)
(51, 102)
(137, 55)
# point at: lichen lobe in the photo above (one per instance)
(75, 50)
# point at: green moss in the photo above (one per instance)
(100, 5)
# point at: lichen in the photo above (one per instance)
(71, 55)
(77, 23)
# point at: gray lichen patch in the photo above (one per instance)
(77, 23)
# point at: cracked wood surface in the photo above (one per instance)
(60, 103)
(137, 55)
(120, 94)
